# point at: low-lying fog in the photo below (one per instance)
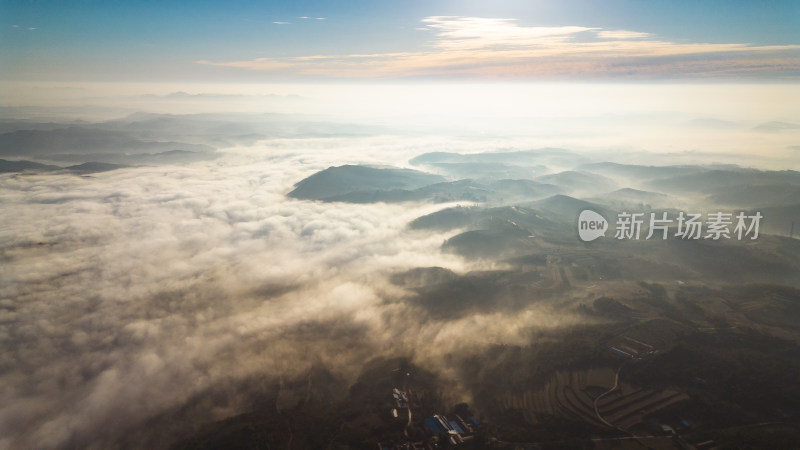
(127, 292)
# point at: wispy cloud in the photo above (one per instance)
(282, 23)
(621, 34)
(500, 47)
(255, 64)
(469, 33)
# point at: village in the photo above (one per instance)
(444, 431)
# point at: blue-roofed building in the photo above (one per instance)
(455, 430)
(454, 425)
(434, 425)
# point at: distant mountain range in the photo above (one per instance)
(30, 166)
(109, 146)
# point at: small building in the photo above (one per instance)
(434, 425)
(455, 427)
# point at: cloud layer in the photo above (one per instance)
(129, 293)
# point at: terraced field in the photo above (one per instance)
(628, 405)
(571, 394)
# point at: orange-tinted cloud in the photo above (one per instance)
(490, 47)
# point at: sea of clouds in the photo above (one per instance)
(125, 294)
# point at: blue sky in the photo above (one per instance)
(274, 41)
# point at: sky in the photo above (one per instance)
(267, 41)
(503, 68)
